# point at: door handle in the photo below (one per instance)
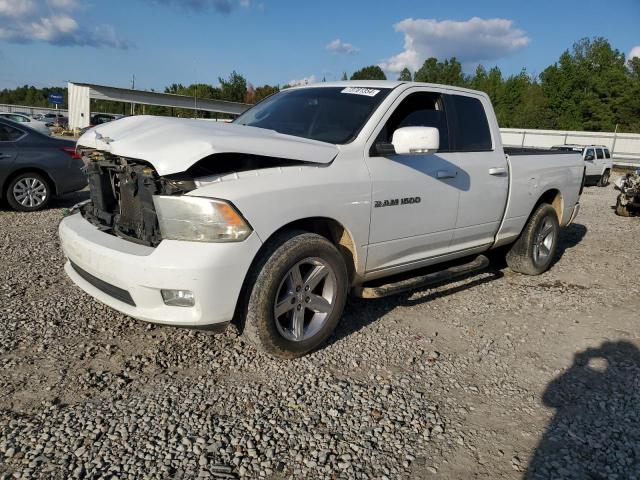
(497, 171)
(446, 174)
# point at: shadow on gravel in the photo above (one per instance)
(595, 433)
(69, 200)
(570, 237)
(359, 312)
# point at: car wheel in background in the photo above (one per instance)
(298, 292)
(536, 247)
(29, 192)
(604, 179)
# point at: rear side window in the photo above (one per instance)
(606, 153)
(9, 134)
(600, 153)
(469, 127)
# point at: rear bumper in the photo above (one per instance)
(105, 266)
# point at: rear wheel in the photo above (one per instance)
(604, 179)
(298, 295)
(536, 247)
(29, 192)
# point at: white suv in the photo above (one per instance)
(597, 160)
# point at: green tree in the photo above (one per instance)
(405, 75)
(448, 72)
(344, 76)
(634, 67)
(264, 91)
(372, 72)
(589, 86)
(234, 89)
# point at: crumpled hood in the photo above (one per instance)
(172, 145)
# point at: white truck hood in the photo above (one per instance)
(172, 145)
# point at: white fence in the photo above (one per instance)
(624, 147)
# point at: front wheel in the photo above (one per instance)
(298, 295)
(604, 179)
(536, 247)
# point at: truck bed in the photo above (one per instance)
(532, 173)
(513, 151)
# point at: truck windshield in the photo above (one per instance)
(328, 114)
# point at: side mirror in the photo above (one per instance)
(589, 158)
(416, 140)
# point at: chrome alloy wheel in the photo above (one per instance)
(543, 241)
(305, 299)
(30, 192)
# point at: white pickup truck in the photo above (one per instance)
(315, 192)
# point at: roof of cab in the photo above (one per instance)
(385, 84)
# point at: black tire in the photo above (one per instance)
(522, 256)
(266, 284)
(604, 179)
(44, 185)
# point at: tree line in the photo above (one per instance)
(590, 87)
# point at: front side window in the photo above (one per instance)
(589, 153)
(470, 130)
(328, 114)
(421, 109)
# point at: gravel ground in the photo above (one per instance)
(496, 376)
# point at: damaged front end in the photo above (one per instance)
(122, 192)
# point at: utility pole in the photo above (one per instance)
(615, 137)
(133, 87)
(195, 91)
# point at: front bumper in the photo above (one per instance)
(214, 272)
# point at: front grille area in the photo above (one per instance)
(111, 290)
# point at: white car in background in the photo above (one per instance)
(597, 162)
(27, 121)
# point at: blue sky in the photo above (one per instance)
(47, 42)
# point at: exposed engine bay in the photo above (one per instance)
(122, 189)
(122, 192)
(628, 202)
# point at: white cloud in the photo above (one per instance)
(302, 81)
(635, 52)
(219, 6)
(53, 22)
(16, 8)
(338, 46)
(65, 4)
(470, 41)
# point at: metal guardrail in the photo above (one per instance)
(5, 107)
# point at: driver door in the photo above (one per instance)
(414, 197)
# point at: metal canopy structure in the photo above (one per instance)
(80, 95)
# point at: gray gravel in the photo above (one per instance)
(496, 376)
